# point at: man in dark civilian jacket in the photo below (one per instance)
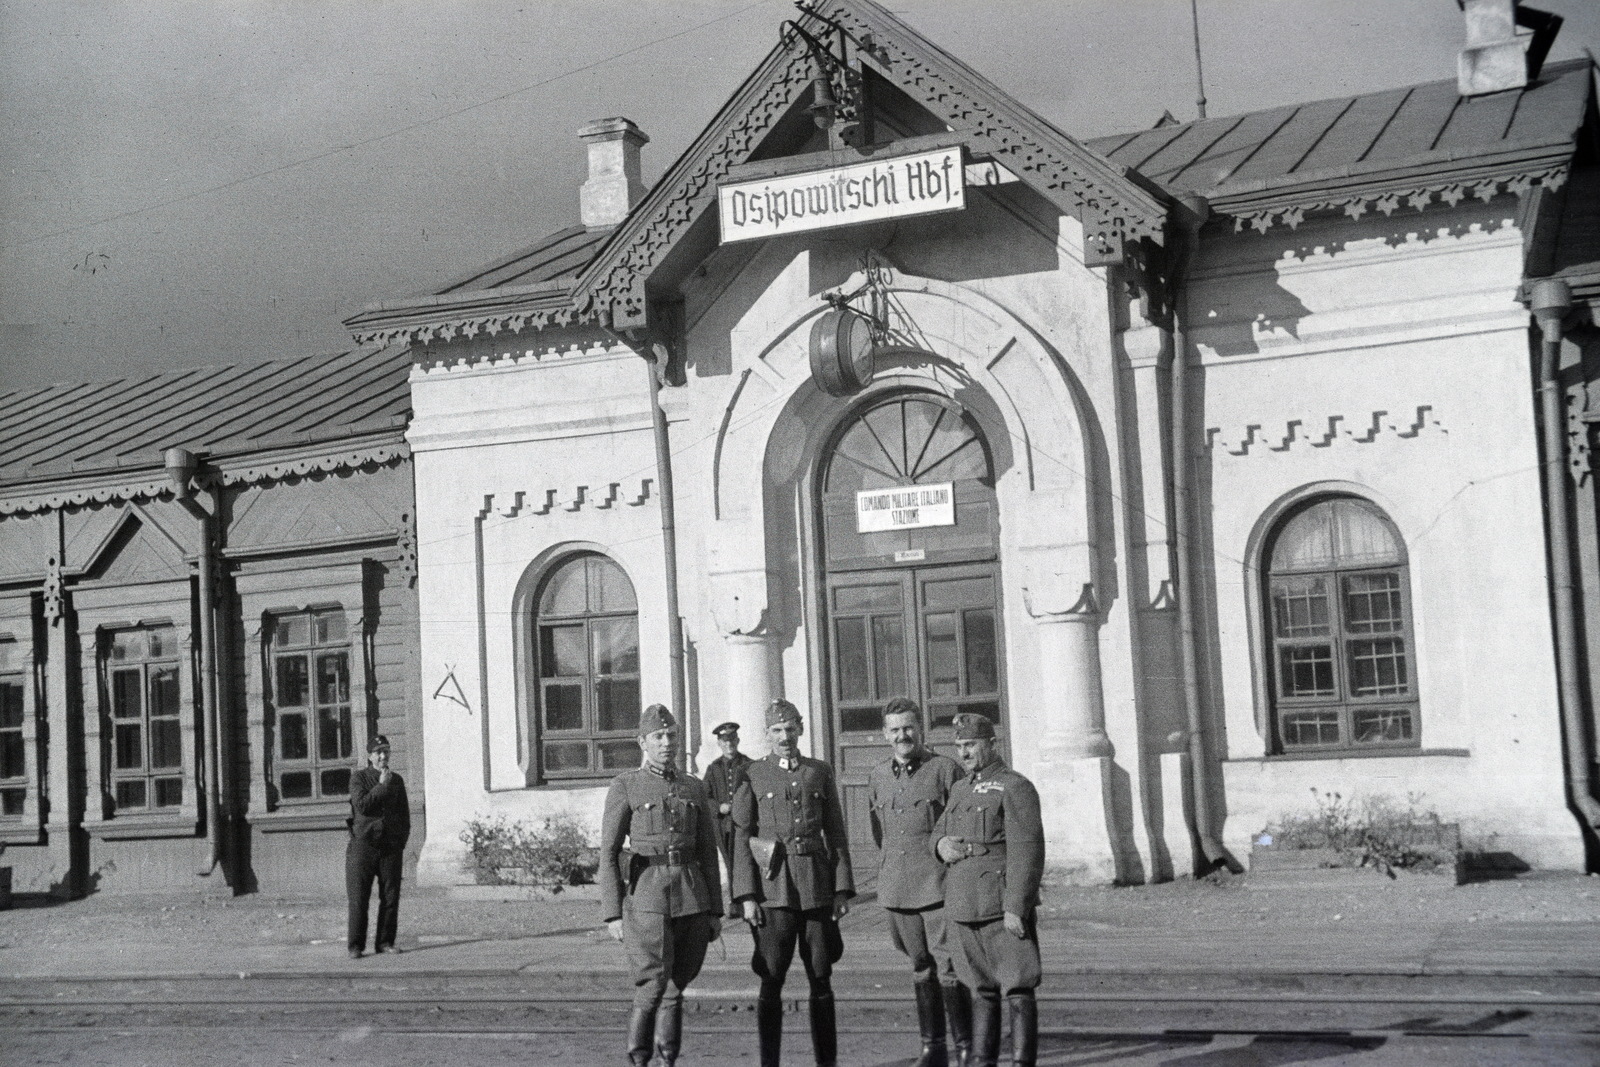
(662, 898)
(992, 838)
(723, 778)
(791, 873)
(380, 823)
(907, 794)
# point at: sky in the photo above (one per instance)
(209, 182)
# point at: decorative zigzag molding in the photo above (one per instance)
(1299, 433)
(510, 504)
(467, 327)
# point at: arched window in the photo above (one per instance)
(1339, 630)
(586, 666)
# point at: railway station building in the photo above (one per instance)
(1207, 459)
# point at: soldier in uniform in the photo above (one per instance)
(993, 842)
(907, 794)
(723, 778)
(662, 898)
(791, 874)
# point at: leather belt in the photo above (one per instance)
(673, 857)
(809, 845)
(974, 849)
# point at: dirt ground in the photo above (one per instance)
(1214, 903)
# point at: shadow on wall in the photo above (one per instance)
(1243, 304)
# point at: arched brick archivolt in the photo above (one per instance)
(1052, 485)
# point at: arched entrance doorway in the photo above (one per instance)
(912, 578)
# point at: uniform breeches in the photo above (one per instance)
(924, 938)
(665, 953)
(816, 935)
(363, 863)
(990, 958)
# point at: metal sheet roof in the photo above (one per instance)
(78, 428)
(1416, 126)
(559, 256)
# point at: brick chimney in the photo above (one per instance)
(1506, 45)
(614, 184)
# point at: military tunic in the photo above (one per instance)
(722, 779)
(665, 887)
(798, 807)
(905, 802)
(993, 816)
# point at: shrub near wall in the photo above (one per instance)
(1374, 832)
(552, 854)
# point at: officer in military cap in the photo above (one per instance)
(906, 795)
(662, 898)
(991, 838)
(723, 778)
(791, 874)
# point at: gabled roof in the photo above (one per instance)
(1408, 144)
(530, 286)
(1114, 204)
(344, 406)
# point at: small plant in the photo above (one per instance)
(553, 854)
(1375, 832)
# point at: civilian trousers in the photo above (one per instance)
(363, 863)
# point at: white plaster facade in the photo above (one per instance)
(1378, 356)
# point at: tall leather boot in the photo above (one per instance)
(985, 1028)
(669, 1032)
(769, 1025)
(641, 1035)
(958, 1020)
(824, 1034)
(1024, 1029)
(930, 1020)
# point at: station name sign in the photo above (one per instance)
(905, 508)
(861, 192)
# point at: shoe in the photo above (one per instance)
(387, 948)
(355, 954)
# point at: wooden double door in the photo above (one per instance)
(931, 634)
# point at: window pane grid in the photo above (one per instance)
(146, 726)
(13, 749)
(315, 750)
(586, 667)
(1339, 638)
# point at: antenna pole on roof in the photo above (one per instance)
(1199, 71)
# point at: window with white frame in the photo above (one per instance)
(586, 666)
(141, 669)
(314, 745)
(13, 747)
(1338, 623)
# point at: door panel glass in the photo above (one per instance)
(982, 675)
(958, 593)
(126, 698)
(853, 599)
(944, 660)
(850, 659)
(889, 655)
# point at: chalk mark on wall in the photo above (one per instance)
(1338, 429)
(459, 696)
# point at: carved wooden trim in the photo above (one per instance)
(1450, 191)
